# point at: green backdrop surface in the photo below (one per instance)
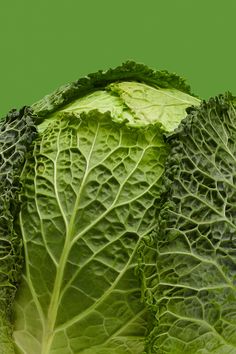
(46, 43)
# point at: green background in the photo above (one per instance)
(46, 43)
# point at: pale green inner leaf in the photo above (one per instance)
(136, 103)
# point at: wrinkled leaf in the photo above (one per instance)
(190, 275)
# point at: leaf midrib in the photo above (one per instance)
(53, 307)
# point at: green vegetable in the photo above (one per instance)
(90, 194)
(16, 134)
(118, 219)
(190, 262)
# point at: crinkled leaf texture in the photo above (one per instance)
(190, 271)
(91, 192)
(16, 134)
(129, 71)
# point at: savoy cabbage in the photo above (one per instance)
(117, 219)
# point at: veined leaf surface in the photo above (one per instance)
(91, 193)
(190, 273)
(16, 133)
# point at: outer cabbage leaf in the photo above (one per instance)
(190, 275)
(91, 193)
(16, 133)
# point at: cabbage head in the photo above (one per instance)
(80, 181)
